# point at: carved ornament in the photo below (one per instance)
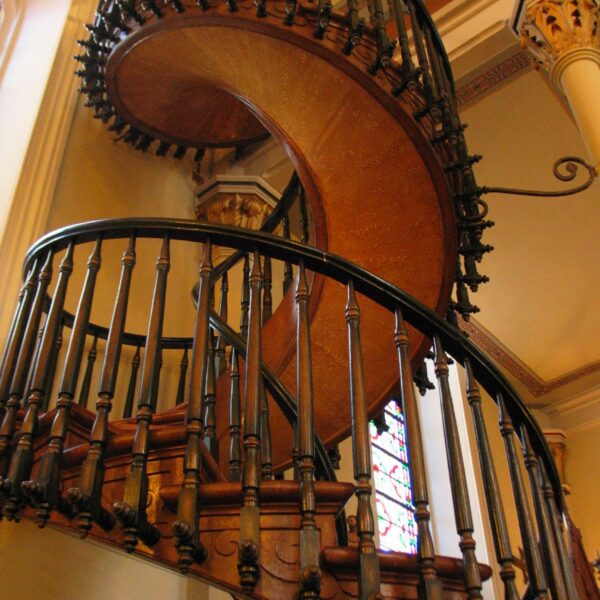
(230, 208)
(553, 28)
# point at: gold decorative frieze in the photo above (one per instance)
(551, 28)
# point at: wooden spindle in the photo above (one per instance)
(84, 393)
(17, 333)
(131, 387)
(52, 367)
(323, 17)
(248, 550)
(131, 511)
(369, 578)
(408, 67)
(22, 368)
(563, 554)
(45, 490)
(549, 550)
(492, 490)
(210, 401)
(86, 498)
(183, 367)
(385, 47)
(223, 313)
(235, 420)
(22, 459)
(185, 528)
(356, 26)
(267, 309)
(245, 298)
(430, 585)
(310, 573)
(421, 54)
(458, 479)
(266, 452)
(535, 570)
(288, 273)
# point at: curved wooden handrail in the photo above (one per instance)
(335, 267)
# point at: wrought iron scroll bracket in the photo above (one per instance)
(571, 166)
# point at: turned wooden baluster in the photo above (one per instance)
(266, 453)
(492, 490)
(185, 528)
(430, 585)
(210, 401)
(288, 273)
(549, 550)
(84, 393)
(235, 420)
(385, 47)
(245, 298)
(130, 396)
(421, 54)
(22, 459)
(563, 555)
(535, 570)
(369, 578)
(131, 511)
(323, 16)
(23, 368)
(221, 342)
(408, 67)
(310, 573)
(248, 551)
(45, 490)
(52, 367)
(458, 479)
(17, 333)
(86, 498)
(183, 367)
(267, 309)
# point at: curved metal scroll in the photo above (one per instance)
(571, 165)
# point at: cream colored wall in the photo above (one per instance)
(51, 564)
(583, 477)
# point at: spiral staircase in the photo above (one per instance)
(232, 479)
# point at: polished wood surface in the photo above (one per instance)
(371, 178)
(219, 522)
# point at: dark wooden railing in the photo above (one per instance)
(397, 39)
(247, 426)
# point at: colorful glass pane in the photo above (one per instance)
(395, 513)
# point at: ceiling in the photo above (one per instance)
(539, 314)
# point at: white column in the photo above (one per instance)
(564, 37)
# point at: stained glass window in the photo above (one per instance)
(395, 512)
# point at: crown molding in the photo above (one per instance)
(534, 384)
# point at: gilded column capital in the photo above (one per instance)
(560, 31)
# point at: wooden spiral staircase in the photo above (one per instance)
(233, 481)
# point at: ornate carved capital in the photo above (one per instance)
(557, 442)
(230, 208)
(553, 28)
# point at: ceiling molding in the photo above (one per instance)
(498, 75)
(519, 370)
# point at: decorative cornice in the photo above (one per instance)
(532, 381)
(552, 28)
(494, 77)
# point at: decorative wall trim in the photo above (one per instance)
(530, 379)
(494, 77)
